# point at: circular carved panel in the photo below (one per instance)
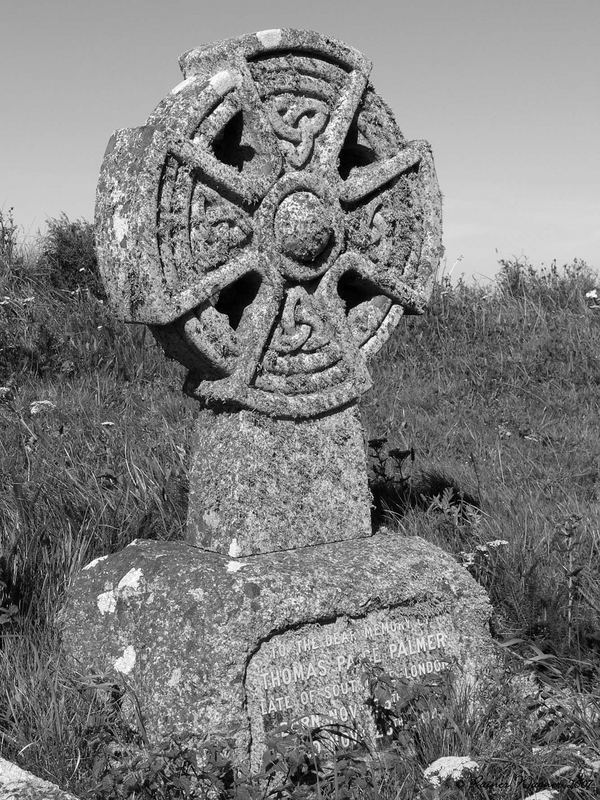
(270, 223)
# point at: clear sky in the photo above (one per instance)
(506, 91)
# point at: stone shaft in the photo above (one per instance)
(259, 485)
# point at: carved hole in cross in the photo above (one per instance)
(230, 146)
(354, 289)
(354, 153)
(235, 298)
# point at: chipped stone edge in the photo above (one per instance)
(18, 784)
(96, 561)
(270, 38)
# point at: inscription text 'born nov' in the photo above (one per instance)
(316, 675)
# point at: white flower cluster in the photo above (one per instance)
(593, 298)
(6, 300)
(495, 544)
(39, 407)
(453, 768)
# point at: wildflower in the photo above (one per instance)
(592, 294)
(453, 768)
(39, 407)
(5, 394)
(496, 543)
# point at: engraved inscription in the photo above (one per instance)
(317, 675)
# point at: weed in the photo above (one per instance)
(8, 239)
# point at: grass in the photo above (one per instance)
(486, 414)
(498, 389)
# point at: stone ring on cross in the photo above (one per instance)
(270, 223)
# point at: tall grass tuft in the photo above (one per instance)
(69, 257)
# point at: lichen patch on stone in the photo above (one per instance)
(126, 662)
(212, 519)
(269, 38)
(235, 566)
(175, 677)
(131, 580)
(93, 563)
(121, 227)
(128, 585)
(107, 602)
(234, 549)
(224, 81)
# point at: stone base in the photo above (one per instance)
(210, 643)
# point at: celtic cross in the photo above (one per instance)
(270, 223)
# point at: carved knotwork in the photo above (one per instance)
(270, 222)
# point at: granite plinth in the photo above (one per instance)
(209, 643)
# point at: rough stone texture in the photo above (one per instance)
(17, 784)
(258, 484)
(207, 642)
(302, 226)
(270, 222)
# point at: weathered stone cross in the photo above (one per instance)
(271, 224)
